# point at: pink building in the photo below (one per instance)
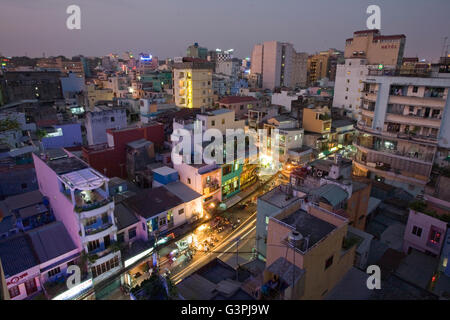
(425, 230)
(79, 196)
(37, 258)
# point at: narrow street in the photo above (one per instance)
(181, 265)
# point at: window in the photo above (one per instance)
(54, 272)
(162, 221)
(132, 233)
(189, 180)
(415, 89)
(104, 267)
(120, 237)
(181, 211)
(112, 119)
(30, 286)
(329, 262)
(24, 185)
(435, 236)
(213, 123)
(417, 231)
(223, 121)
(92, 245)
(14, 291)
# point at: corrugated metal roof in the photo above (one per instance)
(51, 241)
(332, 193)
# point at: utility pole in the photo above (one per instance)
(237, 257)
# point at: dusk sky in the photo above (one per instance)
(166, 28)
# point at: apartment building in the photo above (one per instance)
(290, 136)
(239, 104)
(279, 65)
(404, 122)
(192, 83)
(307, 254)
(367, 50)
(323, 65)
(206, 179)
(101, 119)
(79, 196)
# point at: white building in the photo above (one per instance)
(404, 128)
(279, 65)
(101, 119)
(349, 85)
(285, 98)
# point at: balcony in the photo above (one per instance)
(423, 73)
(210, 187)
(425, 157)
(98, 227)
(392, 174)
(89, 200)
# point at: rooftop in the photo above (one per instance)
(66, 164)
(51, 241)
(151, 202)
(279, 197)
(164, 171)
(182, 191)
(331, 193)
(124, 216)
(286, 270)
(309, 226)
(17, 255)
(83, 179)
(237, 99)
(24, 200)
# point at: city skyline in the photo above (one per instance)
(116, 28)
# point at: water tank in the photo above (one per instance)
(296, 239)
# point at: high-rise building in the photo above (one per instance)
(195, 51)
(192, 83)
(404, 127)
(323, 65)
(279, 65)
(367, 50)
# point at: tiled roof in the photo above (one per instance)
(17, 255)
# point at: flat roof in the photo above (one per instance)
(164, 171)
(151, 202)
(182, 191)
(67, 164)
(278, 197)
(309, 226)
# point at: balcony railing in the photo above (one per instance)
(92, 206)
(428, 157)
(90, 231)
(425, 73)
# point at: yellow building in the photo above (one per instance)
(317, 120)
(96, 94)
(192, 83)
(307, 254)
(376, 48)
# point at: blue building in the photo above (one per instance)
(62, 136)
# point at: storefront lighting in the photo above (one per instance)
(137, 257)
(72, 292)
